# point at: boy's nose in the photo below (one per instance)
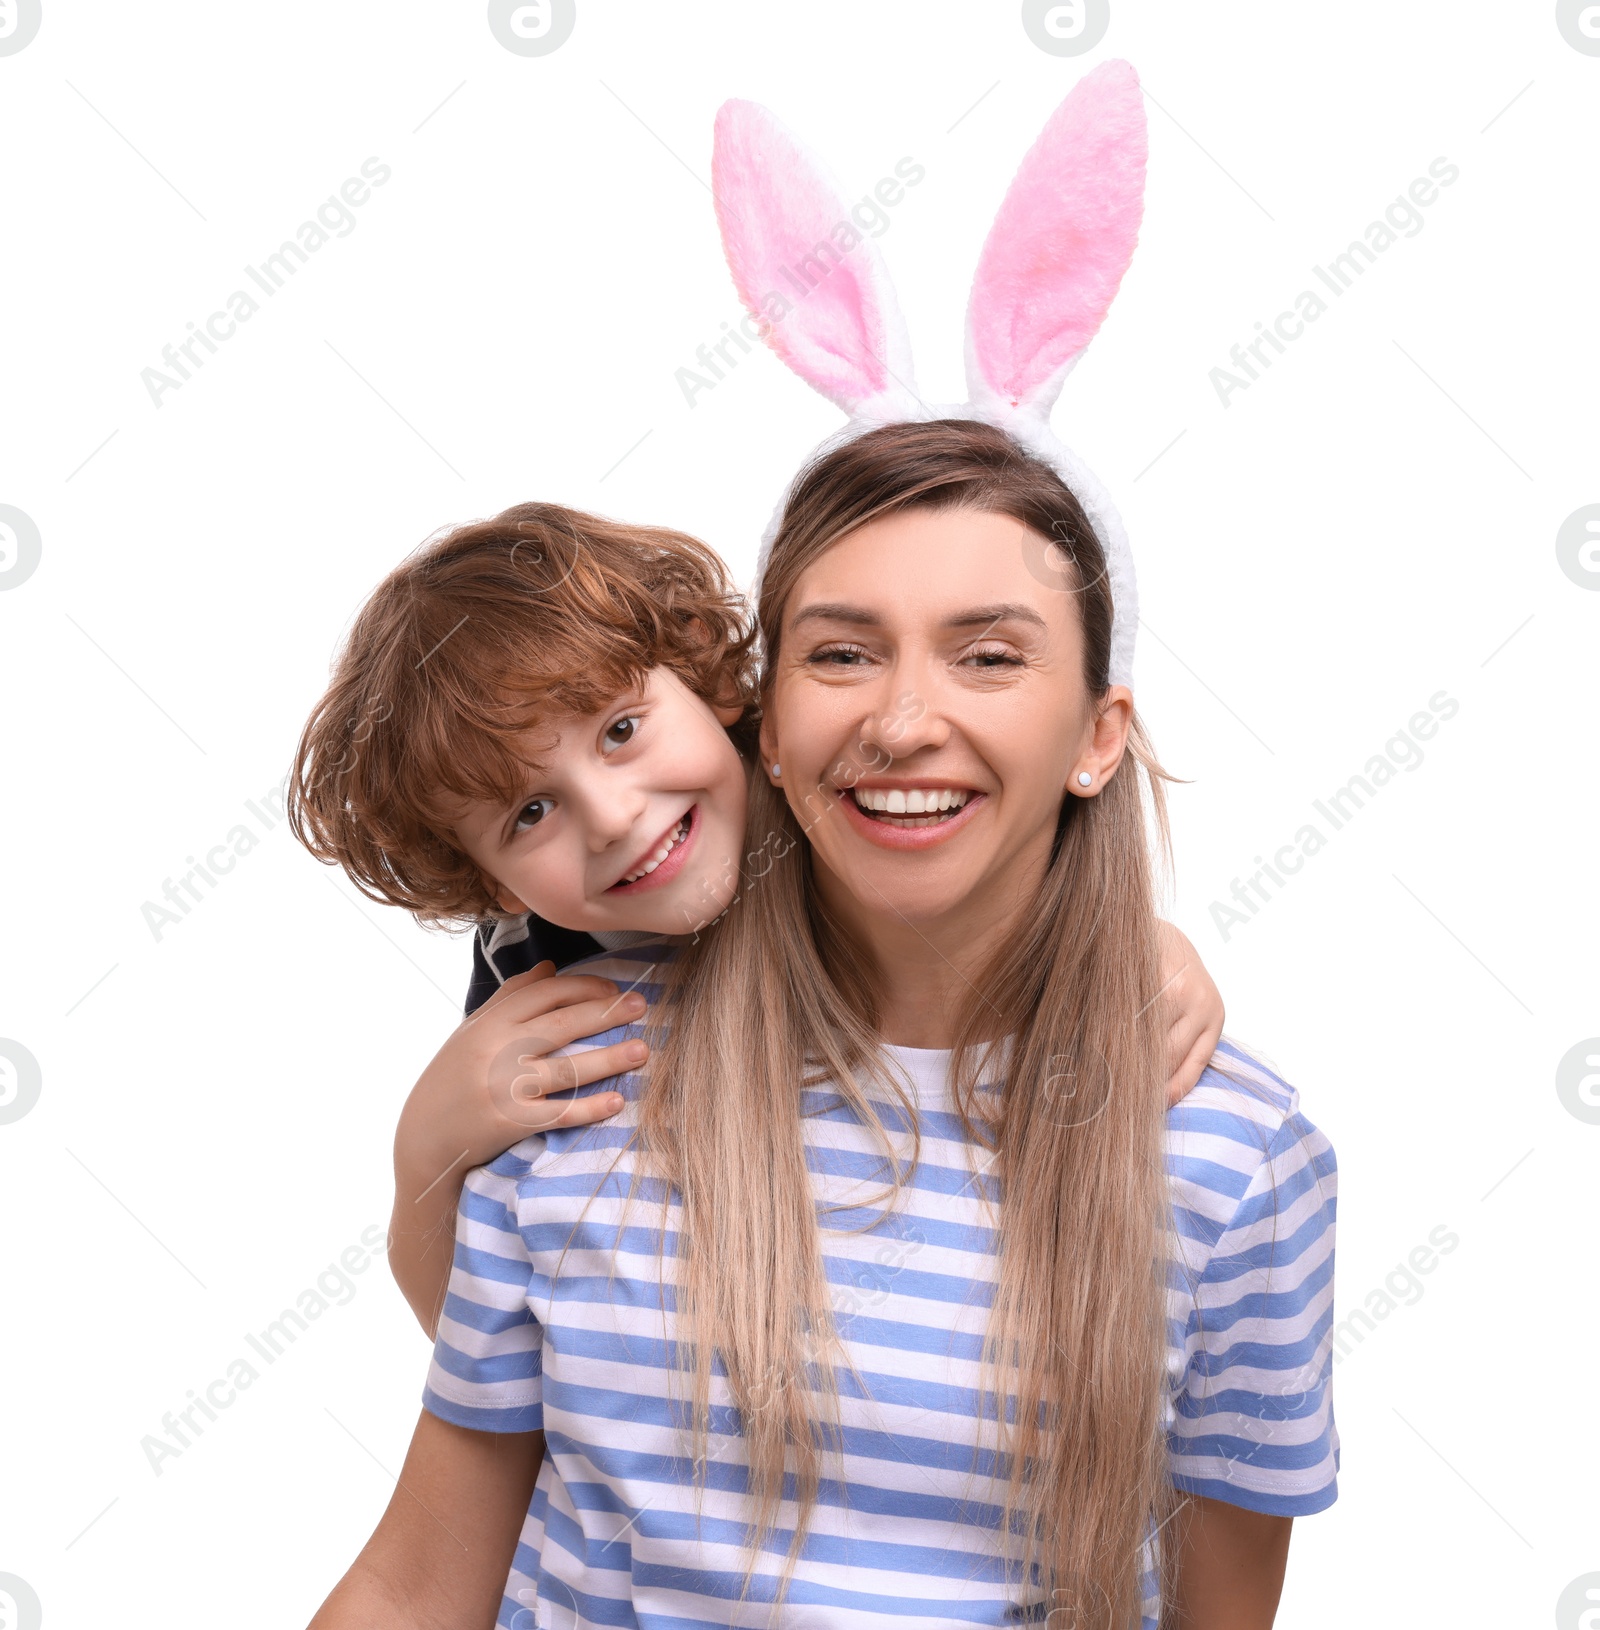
(611, 816)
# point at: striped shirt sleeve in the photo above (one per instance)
(486, 1371)
(1252, 1412)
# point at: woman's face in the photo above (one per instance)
(928, 711)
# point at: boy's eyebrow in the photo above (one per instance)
(522, 791)
(977, 617)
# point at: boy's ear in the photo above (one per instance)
(727, 714)
(503, 897)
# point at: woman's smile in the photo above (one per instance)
(910, 817)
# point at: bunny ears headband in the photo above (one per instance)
(1048, 273)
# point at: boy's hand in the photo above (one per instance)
(489, 1087)
(1195, 1004)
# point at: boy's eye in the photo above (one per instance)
(622, 731)
(532, 813)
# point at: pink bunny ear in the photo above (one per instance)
(812, 279)
(1060, 244)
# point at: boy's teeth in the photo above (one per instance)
(914, 801)
(678, 834)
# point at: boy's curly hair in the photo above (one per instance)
(474, 639)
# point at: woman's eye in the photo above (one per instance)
(839, 656)
(993, 657)
(532, 813)
(622, 731)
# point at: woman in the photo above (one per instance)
(781, 1405)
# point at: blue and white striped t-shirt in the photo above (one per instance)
(554, 1321)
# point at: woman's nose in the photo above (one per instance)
(906, 723)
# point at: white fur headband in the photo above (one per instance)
(1049, 271)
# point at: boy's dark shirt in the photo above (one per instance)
(517, 952)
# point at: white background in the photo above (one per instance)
(1372, 522)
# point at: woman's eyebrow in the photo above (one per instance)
(835, 612)
(977, 617)
(1010, 612)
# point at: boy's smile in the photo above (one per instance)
(631, 818)
(665, 859)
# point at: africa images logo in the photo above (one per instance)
(1579, 22)
(532, 29)
(19, 1602)
(1577, 546)
(1066, 28)
(21, 1081)
(20, 546)
(19, 22)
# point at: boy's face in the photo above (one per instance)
(650, 781)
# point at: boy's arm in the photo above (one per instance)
(487, 1089)
(1195, 1007)
(440, 1555)
(1230, 1567)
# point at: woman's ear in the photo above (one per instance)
(768, 744)
(1108, 741)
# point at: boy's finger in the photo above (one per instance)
(511, 989)
(617, 1059)
(539, 1077)
(521, 981)
(564, 1025)
(1183, 1037)
(1189, 1070)
(560, 990)
(519, 1082)
(600, 1106)
(567, 1022)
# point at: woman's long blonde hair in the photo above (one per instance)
(776, 994)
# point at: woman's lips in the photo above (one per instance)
(671, 866)
(889, 836)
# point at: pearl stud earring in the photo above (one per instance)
(777, 774)
(1085, 779)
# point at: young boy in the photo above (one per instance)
(541, 724)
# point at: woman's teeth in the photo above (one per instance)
(929, 802)
(679, 833)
